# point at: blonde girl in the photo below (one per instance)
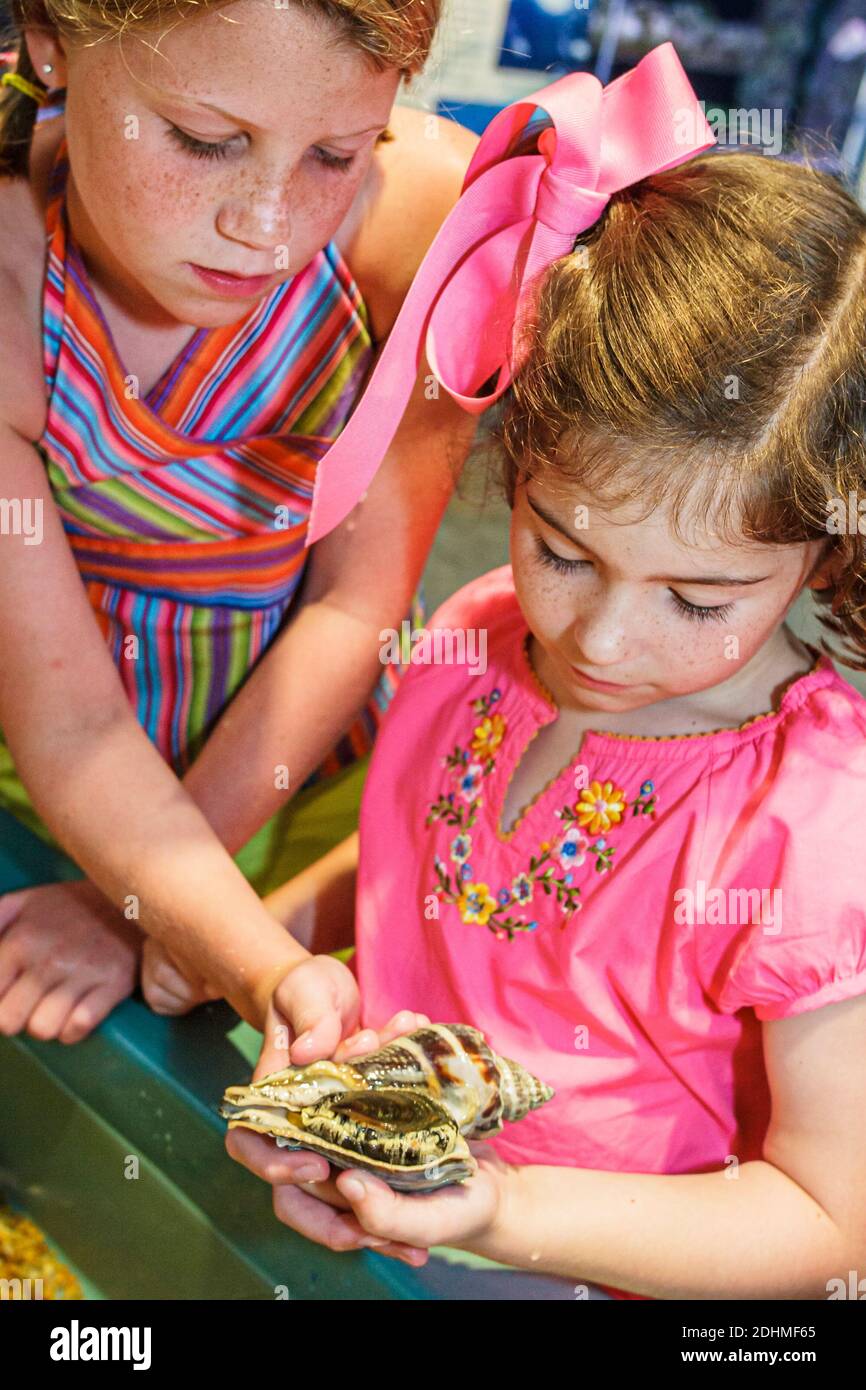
(203, 245)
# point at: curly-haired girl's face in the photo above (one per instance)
(159, 182)
(626, 602)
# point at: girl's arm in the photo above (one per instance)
(786, 1226)
(320, 671)
(779, 1227)
(94, 776)
(318, 905)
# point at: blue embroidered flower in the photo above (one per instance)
(461, 848)
(470, 782)
(503, 896)
(465, 870)
(521, 888)
(646, 788)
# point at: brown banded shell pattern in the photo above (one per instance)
(452, 1063)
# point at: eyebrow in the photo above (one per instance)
(236, 120)
(666, 578)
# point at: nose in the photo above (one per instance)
(260, 217)
(603, 630)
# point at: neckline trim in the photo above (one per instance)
(820, 674)
(792, 695)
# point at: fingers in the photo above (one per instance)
(166, 988)
(12, 964)
(390, 1215)
(10, 905)
(273, 1165)
(89, 1012)
(358, 1045)
(403, 1022)
(317, 1221)
(319, 1004)
(21, 999)
(51, 1013)
(368, 1040)
(337, 1230)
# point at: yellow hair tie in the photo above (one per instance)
(13, 79)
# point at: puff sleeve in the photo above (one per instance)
(787, 932)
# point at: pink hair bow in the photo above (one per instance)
(516, 215)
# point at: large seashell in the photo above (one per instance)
(402, 1112)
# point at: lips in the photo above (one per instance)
(232, 274)
(595, 681)
(232, 286)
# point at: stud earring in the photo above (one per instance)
(47, 67)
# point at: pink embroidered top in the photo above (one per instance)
(626, 939)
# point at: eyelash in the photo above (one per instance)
(204, 149)
(715, 613)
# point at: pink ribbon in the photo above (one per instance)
(516, 215)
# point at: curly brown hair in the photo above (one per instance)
(391, 33)
(705, 344)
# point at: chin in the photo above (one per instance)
(204, 312)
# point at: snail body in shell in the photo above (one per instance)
(403, 1112)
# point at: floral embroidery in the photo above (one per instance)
(601, 807)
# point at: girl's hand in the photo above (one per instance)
(67, 957)
(168, 986)
(401, 1226)
(314, 1005)
(287, 1168)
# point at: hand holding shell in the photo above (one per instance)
(403, 1112)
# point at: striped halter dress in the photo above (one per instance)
(186, 509)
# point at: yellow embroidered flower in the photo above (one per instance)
(488, 736)
(600, 806)
(475, 903)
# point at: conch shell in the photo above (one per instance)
(403, 1112)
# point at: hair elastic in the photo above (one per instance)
(14, 79)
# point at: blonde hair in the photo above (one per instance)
(704, 345)
(392, 33)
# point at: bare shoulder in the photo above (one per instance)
(22, 271)
(414, 182)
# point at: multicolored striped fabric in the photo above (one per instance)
(187, 508)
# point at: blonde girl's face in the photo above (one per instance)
(160, 182)
(619, 599)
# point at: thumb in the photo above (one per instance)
(312, 1005)
(276, 1042)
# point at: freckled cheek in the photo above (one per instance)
(151, 205)
(707, 651)
(319, 208)
(544, 602)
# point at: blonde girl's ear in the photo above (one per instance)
(46, 51)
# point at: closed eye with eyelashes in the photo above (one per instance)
(697, 612)
(208, 149)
